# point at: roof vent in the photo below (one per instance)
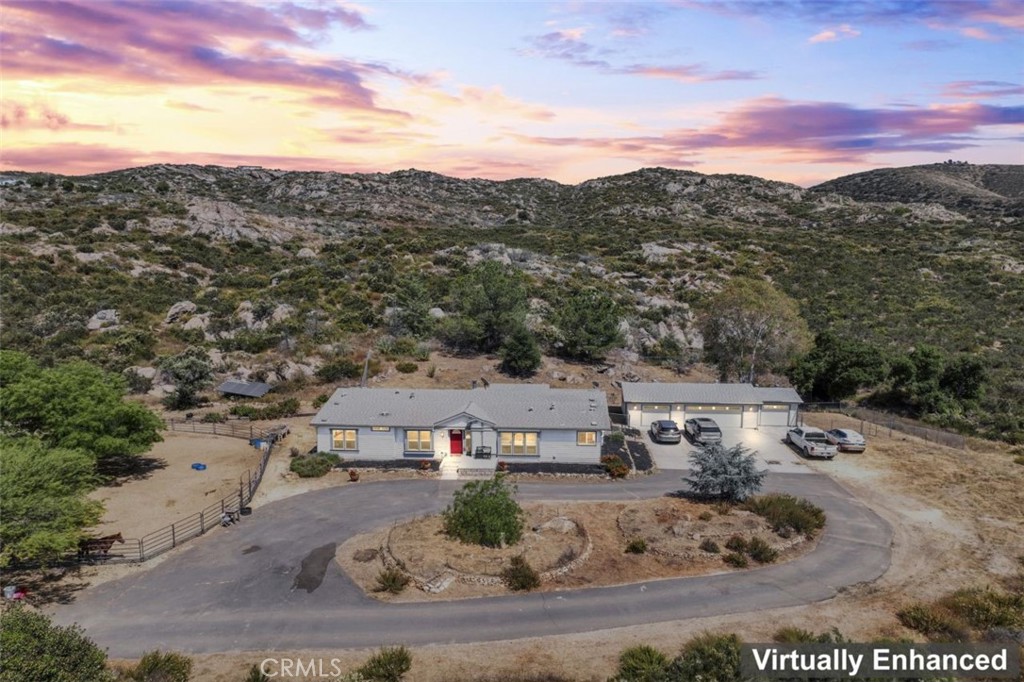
(552, 406)
(412, 395)
(529, 409)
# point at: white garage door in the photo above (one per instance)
(727, 416)
(775, 415)
(651, 413)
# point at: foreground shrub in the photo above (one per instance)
(933, 621)
(614, 466)
(392, 581)
(157, 666)
(35, 649)
(256, 675)
(736, 560)
(390, 664)
(485, 513)
(788, 514)
(520, 576)
(708, 658)
(984, 609)
(636, 546)
(213, 418)
(407, 367)
(310, 466)
(642, 663)
(709, 545)
(760, 551)
(736, 544)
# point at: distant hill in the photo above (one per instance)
(957, 186)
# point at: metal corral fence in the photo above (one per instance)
(875, 422)
(234, 505)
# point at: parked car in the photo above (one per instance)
(703, 431)
(812, 442)
(665, 431)
(846, 440)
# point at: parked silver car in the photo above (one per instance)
(702, 430)
(665, 431)
(846, 440)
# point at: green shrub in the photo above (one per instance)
(708, 658)
(934, 621)
(390, 664)
(213, 418)
(407, 367)
(709, 545)
(760, 551)
(321, 400)
(787, 514)
(636, 546)
(736, 544)
(614, 466)
(431, 371)
(520, 576)
(310, 466)
(256, 675)
(342, 368)
(616, 438)
(157, 666)
(35, 649)
(735, 559)
(485, 513)
(392, 581)
(706, 516)
(984, 609)
(793, 635)
(1019, 459)
(642, 663)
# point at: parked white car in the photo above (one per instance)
(812, 442)
(846, 440)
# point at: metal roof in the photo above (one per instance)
(250, 389)
(707, 394)
(506, 406)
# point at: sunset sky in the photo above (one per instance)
(800, 91)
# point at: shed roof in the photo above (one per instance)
(507, 406)
(250, 389)
(714, 394)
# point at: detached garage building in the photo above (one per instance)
(731, 405)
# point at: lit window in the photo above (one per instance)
(418, 441)
(380, 428)
(586, 438)
(343, 439)
(518, 443)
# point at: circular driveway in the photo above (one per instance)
(270, 582)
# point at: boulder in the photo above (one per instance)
(559, 524)
(104, 319)
(306, 252)
(437, 313)
(198, 322)
(179, 310)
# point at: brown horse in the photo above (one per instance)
(90, 546)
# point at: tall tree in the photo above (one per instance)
(412, 308)
(491, 300)
(837, 367)
(588, 325)
(751, 327)
(191, 371)
(74, 405)
(36, 649)
(45, 505)
(520, 356)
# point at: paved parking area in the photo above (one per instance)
(771, 452)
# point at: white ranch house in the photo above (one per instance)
(730, 405)
(516, 422)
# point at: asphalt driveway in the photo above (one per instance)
(270, 583)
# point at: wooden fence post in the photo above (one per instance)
(174, 539)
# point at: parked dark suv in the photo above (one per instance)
(703, 431)
(665, 431)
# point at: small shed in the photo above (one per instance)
(248, 389)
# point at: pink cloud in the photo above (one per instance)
(831, 35)
(982, 89)
(19, 116)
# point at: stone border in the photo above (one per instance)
(445, 578)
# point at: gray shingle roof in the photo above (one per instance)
(507, 406)
(251, 389)
(714, 394)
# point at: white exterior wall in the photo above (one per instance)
(560, 446)
(370, 444)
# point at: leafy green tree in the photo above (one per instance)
(750, 327)
(191, 371)
(485, 513)
(837, 367)
(74, 405)
(964, 378)
(520, 355)
(726, 473)
(412, 303)
(491, 300)
(588, 323)
(35, 649)
(45, 505)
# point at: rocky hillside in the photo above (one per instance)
(279, 272)
(957, 186)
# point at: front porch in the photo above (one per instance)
(469, 466)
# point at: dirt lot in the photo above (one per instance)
(672, 528)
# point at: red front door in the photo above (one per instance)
(456, 440)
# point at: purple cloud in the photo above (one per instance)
(982, 89)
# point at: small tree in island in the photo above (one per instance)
(725, 473)
(485, 513)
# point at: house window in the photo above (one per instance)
(380, 428)
(344, 439)
(518, 443)
(418, 441)
(586, 438)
